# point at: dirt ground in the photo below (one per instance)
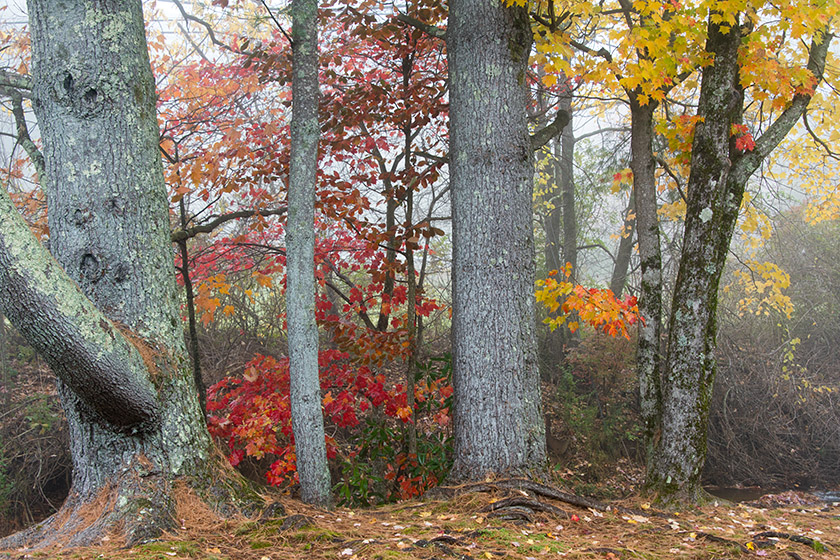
(491, 521)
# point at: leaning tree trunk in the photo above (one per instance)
(307, 417)
(103, 312)
(718, 177)
(497, 422)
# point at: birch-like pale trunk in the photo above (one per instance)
(307, 416)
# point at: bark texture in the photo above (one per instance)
(648, 360)
(307, 417)
(106, 318)
(718, 177)
(498, 424)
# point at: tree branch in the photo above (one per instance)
(210, 32)
(746, 165)
(541, 137)
(602, 52)
(13, 80)
(277, 23)
(208, 227)
(85, 349)
(822, 143)
(433, 157)
(426, 28)
(23, 137)
(670, 172)
(362, 314)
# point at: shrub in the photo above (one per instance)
(364, 414)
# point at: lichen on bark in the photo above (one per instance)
(135, 426)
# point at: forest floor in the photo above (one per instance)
(491, 522)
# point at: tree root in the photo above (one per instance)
(529, 504)
(815, 545)
(139, 507)
(539, 489)
(716, 539)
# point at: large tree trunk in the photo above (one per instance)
(103, 312)
(718, 177)
(307, 416)
(498, 424)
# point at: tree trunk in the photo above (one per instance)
(5, 373)
(103, 312)
(498, 422)
(650, 256)
(411, 279)
(307, 416)
(625, 250)
(552, 352)
(711, 213)
(566, 176)
(191, 322)
(718, 177)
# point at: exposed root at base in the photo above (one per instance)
(138, 510)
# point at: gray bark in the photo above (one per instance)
(498, 425)
(5, 372)
(307, 417)
(718, 177)
(625, 250)
(566, 176)
(103, 311)
(650, 294)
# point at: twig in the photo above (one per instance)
(201, 22)
(277, 23)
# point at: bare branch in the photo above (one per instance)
(832, 154)
(219, 220)
(674, 176)
(426, 28)
(210, 32)
(23, 137)
(541, 137)
(277, 23)
(602, 131)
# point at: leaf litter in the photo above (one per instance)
(462, 526)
